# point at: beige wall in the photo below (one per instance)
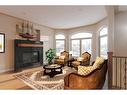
(8, 26)
(120, 35)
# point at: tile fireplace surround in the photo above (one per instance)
(28, 53)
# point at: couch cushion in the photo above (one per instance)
(85, 70)
(98, 62)
(62, 57)
(59, 61)
(80, 59)
(76, 63)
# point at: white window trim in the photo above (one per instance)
(80, 40)
(101, 36)
(61, 40)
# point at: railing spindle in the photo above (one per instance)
(125, 73)
(120, 72)
(116, 71)
(120, 68)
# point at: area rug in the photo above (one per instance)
(38, 81)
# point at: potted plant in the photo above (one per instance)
(50, 54)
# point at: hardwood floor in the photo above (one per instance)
(9, 82)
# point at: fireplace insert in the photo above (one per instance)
(30, 57)
(28, 54)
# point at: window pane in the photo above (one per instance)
(75, 48)
(60, 36)
(86, 45)
(103, 46)
(104, 31)
(81, 35)
(59, 46)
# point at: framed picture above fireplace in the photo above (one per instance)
(2, 42)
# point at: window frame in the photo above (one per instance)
(91, 44)
(79, 46)
(102, 36)
(80, 40)
(63, 39)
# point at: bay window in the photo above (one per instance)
(60, 43)
(80, 43)
(104, 42)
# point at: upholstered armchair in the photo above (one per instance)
(62, 59)
(83, 60)
(93, 80)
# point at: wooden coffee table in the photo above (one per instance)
(52, 70)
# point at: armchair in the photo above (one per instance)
(94, 80)
(83, 60)
(62, 59)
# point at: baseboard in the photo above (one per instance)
(6, 70)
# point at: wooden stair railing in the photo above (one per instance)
(117, 71)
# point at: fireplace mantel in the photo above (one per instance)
(28, 54)
(30, 45)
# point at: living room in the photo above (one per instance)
(74, 29)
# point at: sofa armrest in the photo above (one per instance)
(66, 79)
(76, 81)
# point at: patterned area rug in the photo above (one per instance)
(38, 81)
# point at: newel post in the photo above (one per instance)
(110, 56)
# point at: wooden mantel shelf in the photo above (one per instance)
(30, 45)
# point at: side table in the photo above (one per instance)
(70, 62)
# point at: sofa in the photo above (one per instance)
(93, 80)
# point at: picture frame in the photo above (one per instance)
(2, 42)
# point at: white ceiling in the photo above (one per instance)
(58, 17)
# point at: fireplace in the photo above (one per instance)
(28, 54)
(30, 57)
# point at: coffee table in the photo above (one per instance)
(52, 70)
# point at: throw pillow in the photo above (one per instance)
(80, 59)
(83, 70)
(76, 63)
(98, 62)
